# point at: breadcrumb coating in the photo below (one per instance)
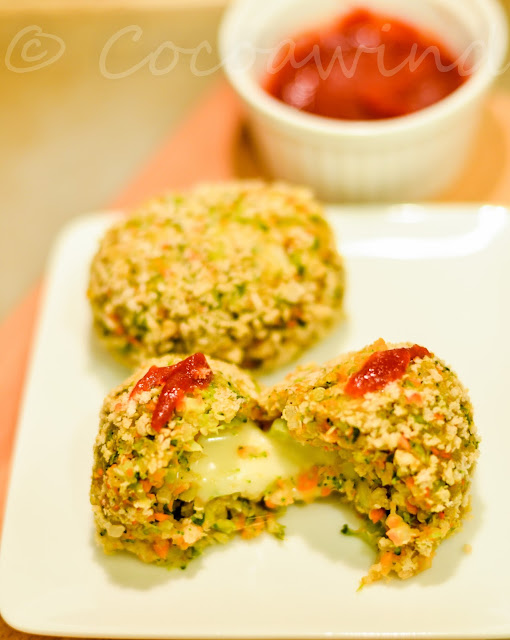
(243, 271)
(408, 450)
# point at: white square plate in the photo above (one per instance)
(437, 276)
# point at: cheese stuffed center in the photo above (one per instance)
(247, 460)
(180, 463)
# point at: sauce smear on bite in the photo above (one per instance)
(155, 377)
(178, 380)
(364, 66)
(381, 368)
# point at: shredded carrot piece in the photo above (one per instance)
(158, 477)
(377, 514)
(180, 542)
(180, 489)
(308, 480)
(386, 562)
(161, 517)
(161, 548)
(416, 398)
(146, 485)
(411, 507)
(441, 454)
(403, 443)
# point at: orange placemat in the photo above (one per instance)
(212, 144)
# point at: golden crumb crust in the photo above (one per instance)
(408, 450)
(142, 490)
(402, 454)
(244, 271)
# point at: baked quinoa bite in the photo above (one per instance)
(180, 464)
(402, 424)
(246, 272)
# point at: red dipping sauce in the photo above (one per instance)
(381, 368)
(364, 66)
(177, 380)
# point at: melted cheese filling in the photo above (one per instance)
(247, 460)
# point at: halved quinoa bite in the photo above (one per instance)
(402, 424)
(247, 272)
(179, 462)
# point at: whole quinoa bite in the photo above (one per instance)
(402, 424)
(180, 464)
(244, 271)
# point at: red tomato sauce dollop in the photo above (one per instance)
(381, 368)
(364, 66)
(177, 380)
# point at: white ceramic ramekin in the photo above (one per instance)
(407, 158)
